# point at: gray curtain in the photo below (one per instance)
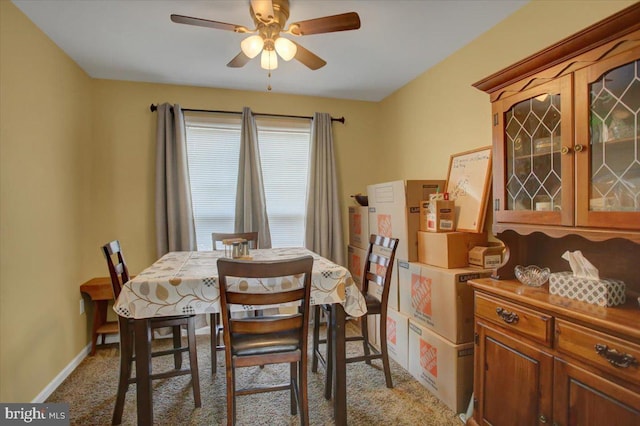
(175, 228)
(251, 206)
(323, 230)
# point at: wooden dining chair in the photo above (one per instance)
(214, 318)
(119, 274)
(377, 271)
(268, 339)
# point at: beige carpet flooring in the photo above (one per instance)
(90, 392)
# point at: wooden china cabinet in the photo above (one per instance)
(566, 176)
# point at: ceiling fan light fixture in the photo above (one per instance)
(269, 60)
(251, 46)
(285, 48)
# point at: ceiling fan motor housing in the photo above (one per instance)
(280, 12)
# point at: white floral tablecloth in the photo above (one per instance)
(187, 283)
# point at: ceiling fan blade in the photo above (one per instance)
(309, 59)
(263, 10)
(199, 22)
(239, 61)
(327, 24)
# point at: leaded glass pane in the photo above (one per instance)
(614, 134)
(533, 139)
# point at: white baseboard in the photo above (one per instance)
(53, 385)
(110, 338)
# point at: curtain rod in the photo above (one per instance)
(154, 108)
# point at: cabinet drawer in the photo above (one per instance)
(535, 325)
(609, 353)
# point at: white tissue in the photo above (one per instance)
(580, 266)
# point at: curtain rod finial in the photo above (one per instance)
(154, 108)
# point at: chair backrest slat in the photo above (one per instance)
(372, 277)
(379, 259)
(266, 326)
(241, 298)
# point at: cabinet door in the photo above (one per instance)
(533, 167)
(608, 140)
(513, 380)
(587, 399)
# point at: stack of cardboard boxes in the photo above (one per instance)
(435, 296)
(358, 245)
(394, 211)
(430, 311)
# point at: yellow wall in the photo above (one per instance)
(45, 129)
(77, 163)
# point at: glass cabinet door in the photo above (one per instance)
(534, 138)
(609, 166)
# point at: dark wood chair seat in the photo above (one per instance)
(262, 344)
(119, 274)
(374, 306)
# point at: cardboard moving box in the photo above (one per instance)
(486, 256)
(439, 299)
(444, 368)
(441, 216)
(448, 249)
(355, 263)
(359, 226)
(398, 337)
(394, 211)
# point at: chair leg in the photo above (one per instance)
(231, 395)
(365, 333)
(384, 351)
(303, 397)
(293, 384)
(193, 360)
(328, 382)
(316, 337)
(213, 321)
(126, 355)
(177, 342)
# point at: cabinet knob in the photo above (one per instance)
(565, 150)
(542, 418)
(578, 148)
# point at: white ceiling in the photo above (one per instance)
(135, 40)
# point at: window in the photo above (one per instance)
(213, 147)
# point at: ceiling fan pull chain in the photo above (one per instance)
(269, 81)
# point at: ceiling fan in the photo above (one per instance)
(270, 18)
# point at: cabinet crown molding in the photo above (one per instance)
(615, 26)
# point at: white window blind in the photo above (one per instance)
(213, 145)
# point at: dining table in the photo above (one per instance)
(186, 282)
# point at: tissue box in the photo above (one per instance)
(602, 292)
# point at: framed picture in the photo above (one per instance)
(468, 184)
